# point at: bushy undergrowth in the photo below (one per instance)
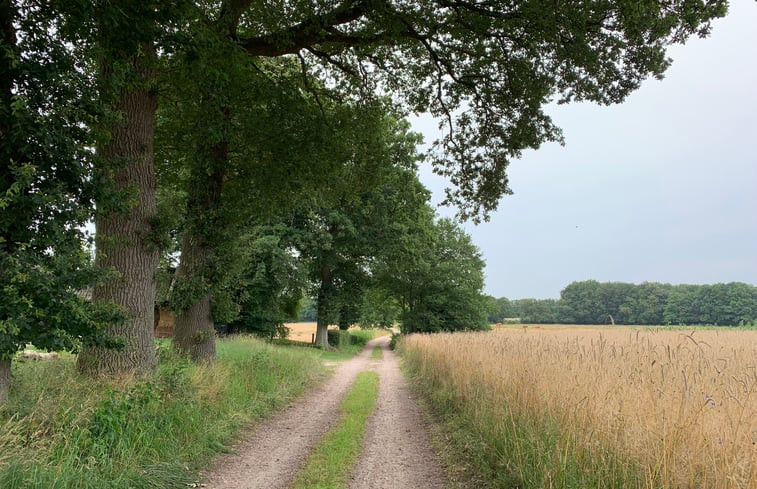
(395, 339)
(354, 339)
(60, 430)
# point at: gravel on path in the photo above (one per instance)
(274, 451)
(397, 453)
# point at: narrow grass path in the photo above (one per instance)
(332, 460)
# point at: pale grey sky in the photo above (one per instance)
(661, 188)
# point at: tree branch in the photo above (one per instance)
(479, 9)
(341, 66)
(308, 33)
(230, 13)
(306, 81)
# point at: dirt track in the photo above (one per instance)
(396, 453)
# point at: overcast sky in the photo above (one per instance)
(662, 188)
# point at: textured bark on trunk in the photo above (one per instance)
(193, 331)
(194, 334)
(5, 379)
(322, 335)
(322, 325)
(123, 237)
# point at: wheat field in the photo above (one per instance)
(679, 406)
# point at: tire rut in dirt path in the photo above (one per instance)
(397, 450)
(274, 451)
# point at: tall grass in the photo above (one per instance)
(612, 408)
(60, 430)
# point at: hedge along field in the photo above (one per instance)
(62, 430)
(599, 408)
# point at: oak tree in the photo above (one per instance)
(486, 70)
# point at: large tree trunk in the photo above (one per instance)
(321, 334)
(5, 379)
(324, 295)
(194, 333)
(123, 242)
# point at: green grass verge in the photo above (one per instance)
(377, 353)
(332, 460)
(486, 451)
(346, 344)
(60, 430)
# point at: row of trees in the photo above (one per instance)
(364, 246)
(649, 303)
(181, 126)
(434, 286)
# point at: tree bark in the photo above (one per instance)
(321, 334)
(322, 325)
(193, 331)
(194, 334)
(122, 238)
(5, 379)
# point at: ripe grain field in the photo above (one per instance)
(613, 407)
(305, 331)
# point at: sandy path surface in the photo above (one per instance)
(274, 451)
(397, 451)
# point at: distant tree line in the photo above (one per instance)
(649, 303)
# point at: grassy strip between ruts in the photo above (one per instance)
(60, 430)
(377, 354)
(332, 460)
